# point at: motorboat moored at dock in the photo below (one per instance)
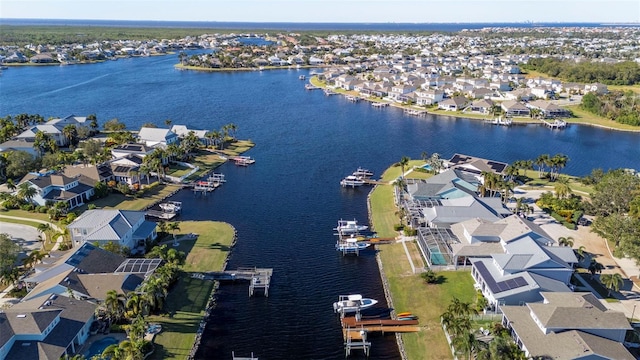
(244, 160)
(352, 303)
(171, 206)
(362, 173)
(349, 227)
(352, 181)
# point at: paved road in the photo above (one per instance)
(24, 235)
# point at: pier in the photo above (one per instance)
(379, 104)
(163, 215)
(413, 112)
(259, 278)
(355, 331)
(204, 186)
(556, 124)
(500, 121)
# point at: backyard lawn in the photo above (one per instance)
(188, 298)
(408, 290)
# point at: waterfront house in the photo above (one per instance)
(524, 269)
(475, 165)
(429, 96)
(126, 228)
(18, 145)
(124, 150)
(483, 106)
(97, 173)
(153, 137)
(519, 94)
(548, 109)
(568, 325)
(54, 132)
(514, 108)
(126, 169)
(456, 103)
(183, 130)
(53, 187)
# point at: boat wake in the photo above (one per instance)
(73, 86)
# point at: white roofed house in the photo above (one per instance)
(55, 133)
(568, 325)
(429, 96)
(124, 227)
(548, 109)
(183, 130)
(482, 106)
(153, 137)
(126, 169)
(456, 103)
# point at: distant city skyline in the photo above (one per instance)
(330, 11)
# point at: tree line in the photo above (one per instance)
(622, 73)
(621, 106)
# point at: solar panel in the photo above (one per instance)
(501, 286)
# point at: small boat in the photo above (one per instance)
(362, 173)
(302, 77)
(351, 245)
(402, 314)
(171, 206)
(352, 303)
(408, 317)
(244, 160)
(349, 227)
(352, 181)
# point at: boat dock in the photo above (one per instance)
(379, 104)
(355, 331)
(413, 112)
(352, 98)
(311, 87)
(204, 186)
(259, 278)
(163, 215)
(556, 124)
(500, 121)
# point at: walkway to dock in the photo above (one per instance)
(260, 279)
(355, 331)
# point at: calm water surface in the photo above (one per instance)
(285, 206)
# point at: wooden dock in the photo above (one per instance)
(259, 278)
(374, 182)
(556, 124)
(355, 331)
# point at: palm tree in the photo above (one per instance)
(11, 185)
(114, 304)
(70, 133)
(137, 304)
(44, 228)
(562, 188)
(467, 344)
(541, 161)
(424, 155)
(612, 282)
(565, 241)
(435, 163)
(174, 226)
(595, 267)
(26, 192)
(580, 253)
(404, 161)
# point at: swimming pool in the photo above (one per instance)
(99, 345)
(426, 167)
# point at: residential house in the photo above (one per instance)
(475, 165)
(454, 210)
(53, 187)
(18, 145)
(483, 106)
(183, 130)
(500, 85)
(125, 227)
(568, 325)
(514, 108)
(519, 94)
(429, 96)
(597, 88)
(548, 109)
(154, 137)
(97, 173)
(54, 132)
(524, 270)
(456, 103)
(126, 169)
(480, 93)
(124, 150)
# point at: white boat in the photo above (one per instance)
(351, 245)
(352, 181)
(349, 227)
(301, 77)
(352, 303)
(362, 173)
(171, 206)
(244, 160)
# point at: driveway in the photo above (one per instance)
(24, 235)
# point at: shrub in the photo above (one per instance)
(398, 227)
(91, 206)
(429, 276)
(41, 209)
(410, 232)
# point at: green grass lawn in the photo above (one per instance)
(408, 290)
(585, 117)
(116, 200)
(178, 170)
(188, 298)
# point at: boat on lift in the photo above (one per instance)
(352, 303)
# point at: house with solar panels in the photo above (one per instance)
(126, 228)
(55, 318)
(523, 271)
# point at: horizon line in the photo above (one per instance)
(341, 22)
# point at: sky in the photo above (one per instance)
(338, 11)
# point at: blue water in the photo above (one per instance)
(290, 25)
(98, 347)
(285, 206)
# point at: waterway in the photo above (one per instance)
(285, 206)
